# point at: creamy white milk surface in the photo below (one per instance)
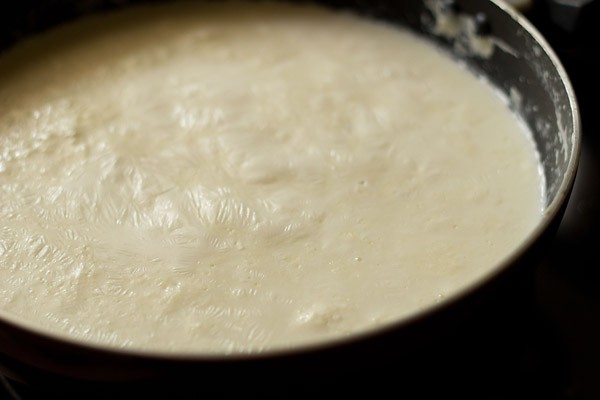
(237, 178)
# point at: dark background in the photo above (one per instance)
(568, 280)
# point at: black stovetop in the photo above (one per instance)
(559, 357)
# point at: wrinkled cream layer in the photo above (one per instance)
(234, 178)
